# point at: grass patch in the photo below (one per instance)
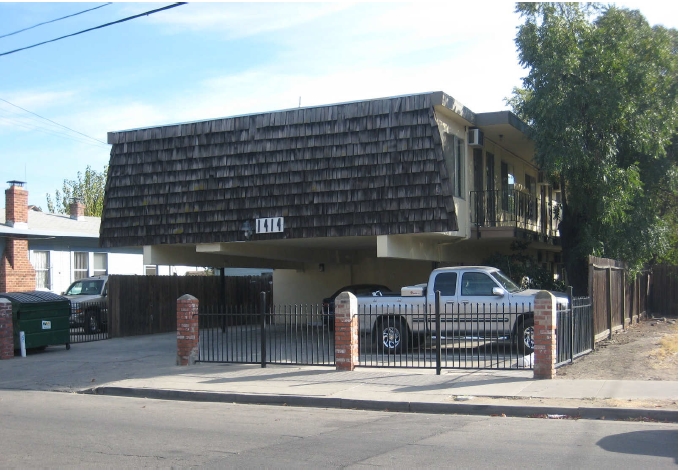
(667, 348)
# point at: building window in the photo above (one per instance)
(41, 264)
(81, 267)
(453, 150)
(100, 264)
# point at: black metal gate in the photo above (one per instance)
(463, 336)
(295, 334)
(89, 321)
(575, 330)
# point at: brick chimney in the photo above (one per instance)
(16, 205)
(77, 209)
(16, 271)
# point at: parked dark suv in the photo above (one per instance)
(355, 289)
(89, 304)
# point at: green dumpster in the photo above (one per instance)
(42, 316)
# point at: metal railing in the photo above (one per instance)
(89, 321)
(513, 208)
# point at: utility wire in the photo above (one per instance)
(174, 5)
(52, 121)
(52, 21)
(48, 131)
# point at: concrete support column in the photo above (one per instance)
(6, 330)
(346, 332)
(544, 336)
(187, 330)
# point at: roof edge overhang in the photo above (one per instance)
(437, 98)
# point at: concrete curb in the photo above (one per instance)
(607, 413)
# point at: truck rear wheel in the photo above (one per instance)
(392, 335)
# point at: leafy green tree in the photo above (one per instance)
(601, 97)
(524, 269)
(88, 187)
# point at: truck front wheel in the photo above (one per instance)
(525, 342)
(393, 335)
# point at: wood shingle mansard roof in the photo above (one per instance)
(366, 168)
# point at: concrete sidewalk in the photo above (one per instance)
(145, 367)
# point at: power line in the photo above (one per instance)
(47, 131)
(52, 21)
(174, 5)
(52, 121)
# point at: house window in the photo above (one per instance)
(508, 181)
(41, 264)
(100, 264)
(453, 150)
(81, 267)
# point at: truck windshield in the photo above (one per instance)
(507, 283)
(79, 288)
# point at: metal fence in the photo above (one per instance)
(575, 330)
(296, 335)
(474, 336)
(461, 336)
(89, 321)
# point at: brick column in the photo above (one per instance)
(544, 335)
(187, 330)
(346, 332)
(6, 330)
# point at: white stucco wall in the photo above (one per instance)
(120, 263)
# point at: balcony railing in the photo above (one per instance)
(516, 209)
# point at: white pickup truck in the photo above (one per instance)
(477, 303)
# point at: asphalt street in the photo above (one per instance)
(57, 430)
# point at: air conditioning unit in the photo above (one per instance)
(475, 137)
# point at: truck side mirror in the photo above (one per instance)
(498, 291)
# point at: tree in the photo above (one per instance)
(524, 269)
(601, 99)
(88, 187)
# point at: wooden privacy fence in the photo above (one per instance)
(663, 290)
(143, 305)
(616, 301)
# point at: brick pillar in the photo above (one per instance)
(346, 332)
(187, 330)
(6, 330)
(544, 335)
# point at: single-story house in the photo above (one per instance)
(45, 251)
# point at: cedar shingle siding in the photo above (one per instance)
(366, 168)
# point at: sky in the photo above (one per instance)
(200, 61)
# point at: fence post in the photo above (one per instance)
(346, 332)
(544, 333)
(571, 316)
(187, 330)
(609, 301)
(6, 330)
(437, 309)
(262, 326)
